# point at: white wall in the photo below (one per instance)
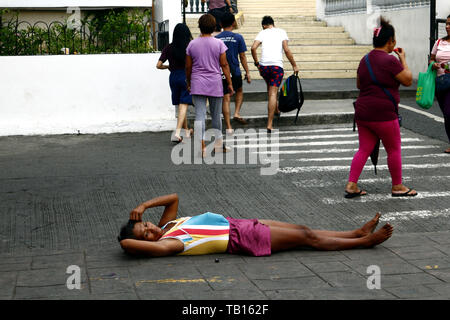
(73, 3)
(412, 29)
(89, 93)
(442, 9)
(168, 10)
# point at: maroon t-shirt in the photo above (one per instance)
(167, 54)
(373, 104)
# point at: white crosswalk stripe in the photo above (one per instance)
(303, 154)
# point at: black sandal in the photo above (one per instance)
(351, 195)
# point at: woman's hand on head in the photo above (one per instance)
(136, 213)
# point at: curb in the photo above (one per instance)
(288, 120)
(320, 95)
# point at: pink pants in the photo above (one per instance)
(369, 132)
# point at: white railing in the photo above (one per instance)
(344, 6)
(334, 7)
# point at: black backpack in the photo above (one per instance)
(291, 95)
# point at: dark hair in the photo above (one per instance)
(381, 37)
(181, 38)
(267, 20)
(207, 24)
(227, 20)
(126, 232)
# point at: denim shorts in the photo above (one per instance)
(178, 86)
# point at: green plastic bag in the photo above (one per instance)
(426, 85)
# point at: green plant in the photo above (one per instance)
(112, 31)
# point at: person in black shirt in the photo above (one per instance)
(175, 52)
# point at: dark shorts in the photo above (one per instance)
(235, 80)
(248, 236)
(178, 86)
(273, 75)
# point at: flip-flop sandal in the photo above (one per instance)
(351, 195)
(240, 120)
(404, 194)
(180, 139)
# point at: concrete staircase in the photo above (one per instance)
(319, 50)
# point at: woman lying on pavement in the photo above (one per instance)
(212, 233)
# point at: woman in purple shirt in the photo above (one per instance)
(205, 57)
(375, 112)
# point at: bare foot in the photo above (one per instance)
(369, 227)
(384, 233)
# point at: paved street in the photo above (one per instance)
(64, 198)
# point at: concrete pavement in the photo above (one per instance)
(64, 198)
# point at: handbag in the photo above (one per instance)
(426, 85)
(372, 75)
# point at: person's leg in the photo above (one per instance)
(226, 112)
(389, 133)
(444, 104)
(366, 229)
(182, 120)
(200, 118)
(287, 238)
(367, 141)
(215, 106)
(238, 100)
(272, 105)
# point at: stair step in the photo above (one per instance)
(354, 57)
(304, 35)
(324, 65)
(316, 74)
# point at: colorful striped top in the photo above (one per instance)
(203, 234)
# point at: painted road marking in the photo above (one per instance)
(347, 168)
(427, 114)
(307, 144)
(433, 155)
(415, 214)
(336, 150)
(319, 183)
(263, 131)
(384, 197)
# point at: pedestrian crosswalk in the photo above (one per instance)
(319, 159)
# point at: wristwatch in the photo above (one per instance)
(256, 64)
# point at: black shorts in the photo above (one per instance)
(235, 80)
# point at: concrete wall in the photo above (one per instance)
(73, 3)
(168, 10)
(86, 93)
(442, 9)
(411, 26)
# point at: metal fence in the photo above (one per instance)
(333, 7)
(41, 38)
(196, 7)
(345, 6)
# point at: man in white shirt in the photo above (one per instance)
(274, 41)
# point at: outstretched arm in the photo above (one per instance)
(154, 249)
(170, 202)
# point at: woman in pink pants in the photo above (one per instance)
(375, 112)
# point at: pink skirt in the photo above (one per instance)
(249, 236)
